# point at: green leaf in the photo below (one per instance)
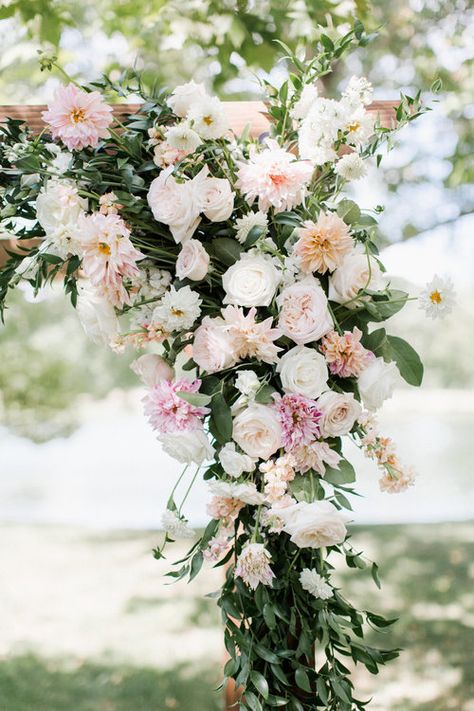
(264, 396)
(322, 690)
(226, 249)
(266, 654)
(51, 258)
(287, 218)
(252, 701)
(407, 360)
(344, 475)
(348, 211)
(260, 683)
(255, 233)
(221, 418)
(375, 575)
(302, 680)
(196, 399)
(196, 565)
(269, 616)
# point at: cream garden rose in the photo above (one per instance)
(193, 261)
(315, 525)
(377, 383)
(251, 281)
(357, 271)
(304, 371)
(304, 314)
(214, 196)
(213, 345)
(173, 204)
(152, 369)
(340, 411)
(257, 431)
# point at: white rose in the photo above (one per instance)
(257, 431)
(247, 382)
(213, 345)
(173, 204)
(304, 314)
(152, 369)
(193, 261)
(244, 492)
(184, 96)
(235, 463)
(251, 281)
(213, 195)
(303, 371)
(314, 525)
(357, 271)
(340, 411)
(188, 446)
(377, 382)
(59, 204)
(97, 316)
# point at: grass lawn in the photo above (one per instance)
(87, 624)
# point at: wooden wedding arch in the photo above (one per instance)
(240, 114)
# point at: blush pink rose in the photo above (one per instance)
(152, 369)
(193, 261)
(304, 314)
(214, 345)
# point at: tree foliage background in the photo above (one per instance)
(226, 43)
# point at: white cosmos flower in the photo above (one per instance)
(438, 297)
(183, 137)
(208, 117)
(351, 167)
(247, 222)
(315, 584)
(178, 309)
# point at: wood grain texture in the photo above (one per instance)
(240, 113)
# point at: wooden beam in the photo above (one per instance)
(240, 114)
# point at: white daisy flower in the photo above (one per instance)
(438, 297)
(246, 223)
(315, 584)
(178, 309)
(351, 167)
(208, 118)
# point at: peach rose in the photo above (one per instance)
(257, 431)
(304, 313)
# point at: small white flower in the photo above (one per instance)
(175, 526)
(178, 309)
(438, 297)
(315, 584)
(351, 167)
(208, 118)
(235, 463)
(359, 90)
(184, 96)
(247, 383)
(304, 103)
(183, 137)
(247, 222)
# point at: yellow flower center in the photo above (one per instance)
(77, 115)
(353, 127)
(208, 120)
(177, 312)
(436, 297)
(104, 248)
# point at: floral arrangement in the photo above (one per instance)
(254, 290)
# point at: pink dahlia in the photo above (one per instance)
(275, 177)
(108, 255)
(345, 354)
(79, 118)
(167, 412)
(299, 418)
